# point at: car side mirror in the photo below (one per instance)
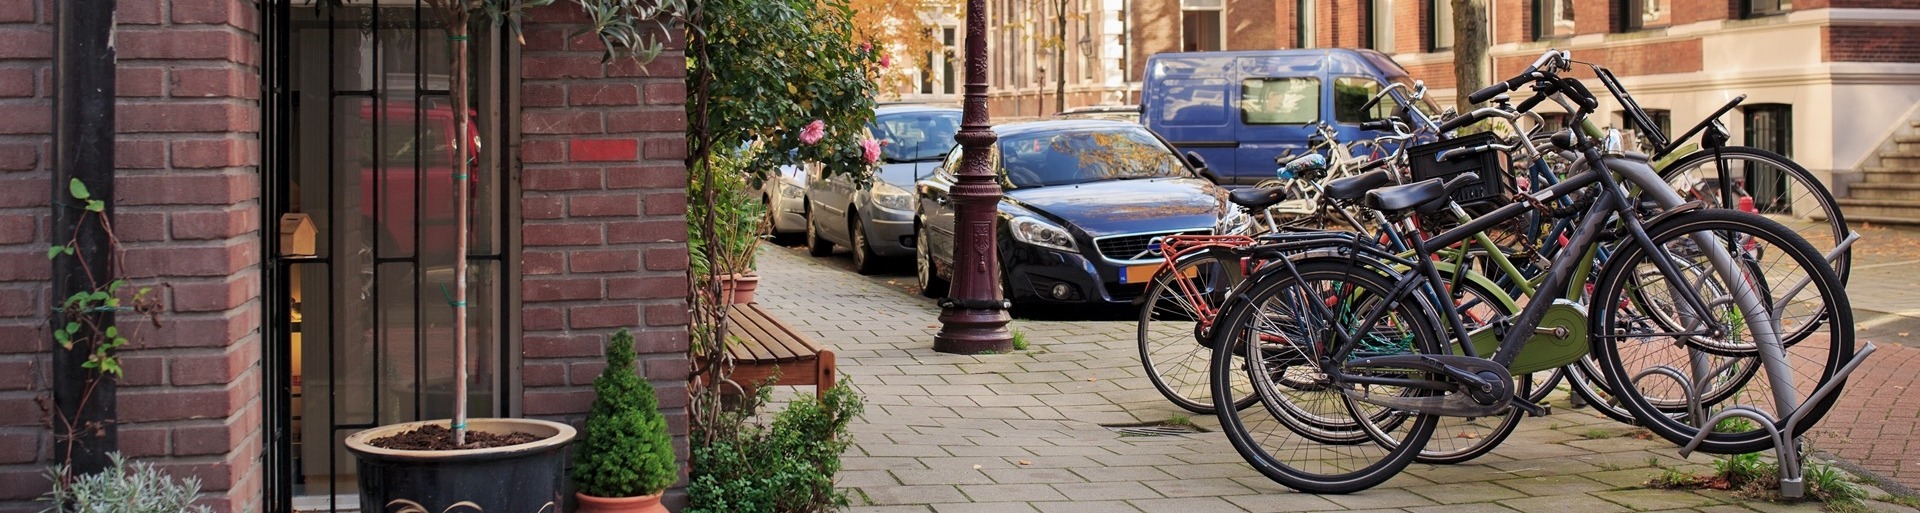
(1194, 160)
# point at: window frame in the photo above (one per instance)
(1632, 15)
(1375, 87)
(1219, 12)
(1380, 13)
(1304, 21)
(1436, 43)
(1779, 7)
(1541, 22)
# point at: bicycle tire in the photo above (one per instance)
(1801, 259)
(1800, 179)
(1176, 360)
(1371, 463)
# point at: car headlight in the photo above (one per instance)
(1041, 233)
(892, 197)
(1234, 223)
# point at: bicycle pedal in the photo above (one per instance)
(1533, 410)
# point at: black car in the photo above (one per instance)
(1084, 202)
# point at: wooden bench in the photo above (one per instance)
(765, 346)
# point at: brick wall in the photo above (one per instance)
(1245, 28)
(603, 203)
(187, 157)
(1869, 43)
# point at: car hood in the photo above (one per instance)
(1117, 207)
(904, 174)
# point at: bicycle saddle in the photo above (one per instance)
(1255, 198)
(1401, 198)
(1353, 187)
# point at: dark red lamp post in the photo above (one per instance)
(974, 318)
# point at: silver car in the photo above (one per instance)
(785, 193)
(876, 220)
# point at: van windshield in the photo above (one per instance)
(1086, 155)
(1280, 100)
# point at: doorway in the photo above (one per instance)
(358, 178)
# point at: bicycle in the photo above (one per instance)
(1336, 335)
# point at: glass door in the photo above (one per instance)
(1769, 127)
(360, 180)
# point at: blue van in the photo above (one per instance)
(1240, 110)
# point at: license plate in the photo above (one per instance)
(1144, 273)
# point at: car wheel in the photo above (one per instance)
(816, 245)
(926, 275)
(773, 222)
(864, 262)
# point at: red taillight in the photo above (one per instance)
(1746, 205)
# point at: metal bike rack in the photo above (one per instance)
(1786, 446)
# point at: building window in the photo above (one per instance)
(1662, 121)
(1552, 18)
(1769, 127)
(1280, 101)
(950, 69)
(1753, 8)
(1303, 19)
(1440, 28)
(1380, 26)
(1200, 23)
(1645, 14)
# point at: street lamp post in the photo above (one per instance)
(974, 318)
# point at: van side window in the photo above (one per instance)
(1280, 101)
(1350, 93)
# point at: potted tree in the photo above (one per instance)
(624, 458)
(436, 465)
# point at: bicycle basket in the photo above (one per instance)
(1494, 183)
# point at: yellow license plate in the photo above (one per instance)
(1144, 273)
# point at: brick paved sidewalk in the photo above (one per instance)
(1023, 432)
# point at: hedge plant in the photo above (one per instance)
(624, 451)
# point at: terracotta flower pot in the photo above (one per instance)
(646, 504)
(739, 287)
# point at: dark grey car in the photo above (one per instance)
(876, 220)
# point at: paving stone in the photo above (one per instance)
(1106, 491)
(1463, 493)
(1380, 498)
(941, 476)
(984, 507)
(889, 509)
(1553, 485)
(1282, 502)
(1011, 492)
(858, 478)
(1484, 507)
(922, 494)
(1085, 507)
(1185, 505)
(1575, 503)
(1033, 476)
(1647, 500)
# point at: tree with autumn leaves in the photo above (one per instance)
(906, 28)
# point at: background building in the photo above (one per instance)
(1832, 83)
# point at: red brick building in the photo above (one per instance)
(1835, 84)
(239, 118)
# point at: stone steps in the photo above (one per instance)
(1886, 191)
(1883, 209)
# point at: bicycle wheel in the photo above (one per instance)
(1781, 189)
(1461, 439)
(1176, 320)
(1777, 282)
(1285, 327)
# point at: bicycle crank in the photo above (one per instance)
(1480, 386)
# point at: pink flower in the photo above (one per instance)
(886, 60)
(866, 47)
(870, 149)
(813, 132)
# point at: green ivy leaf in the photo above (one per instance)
(96, 206)
(142, 293)
(53, 251)
(73, 327)
(78, 190)
(113, 331)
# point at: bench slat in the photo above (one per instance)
(751, 346)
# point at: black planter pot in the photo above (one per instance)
(525, 478)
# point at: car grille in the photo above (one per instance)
(1125, 247)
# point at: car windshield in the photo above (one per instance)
(1067, 157)
(916, 136)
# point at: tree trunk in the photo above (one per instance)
(1469, 50)
(1060, 57)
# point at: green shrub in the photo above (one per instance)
(785, 466)
(624, 451)
(124, 488)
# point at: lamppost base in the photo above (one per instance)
(973, 331)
